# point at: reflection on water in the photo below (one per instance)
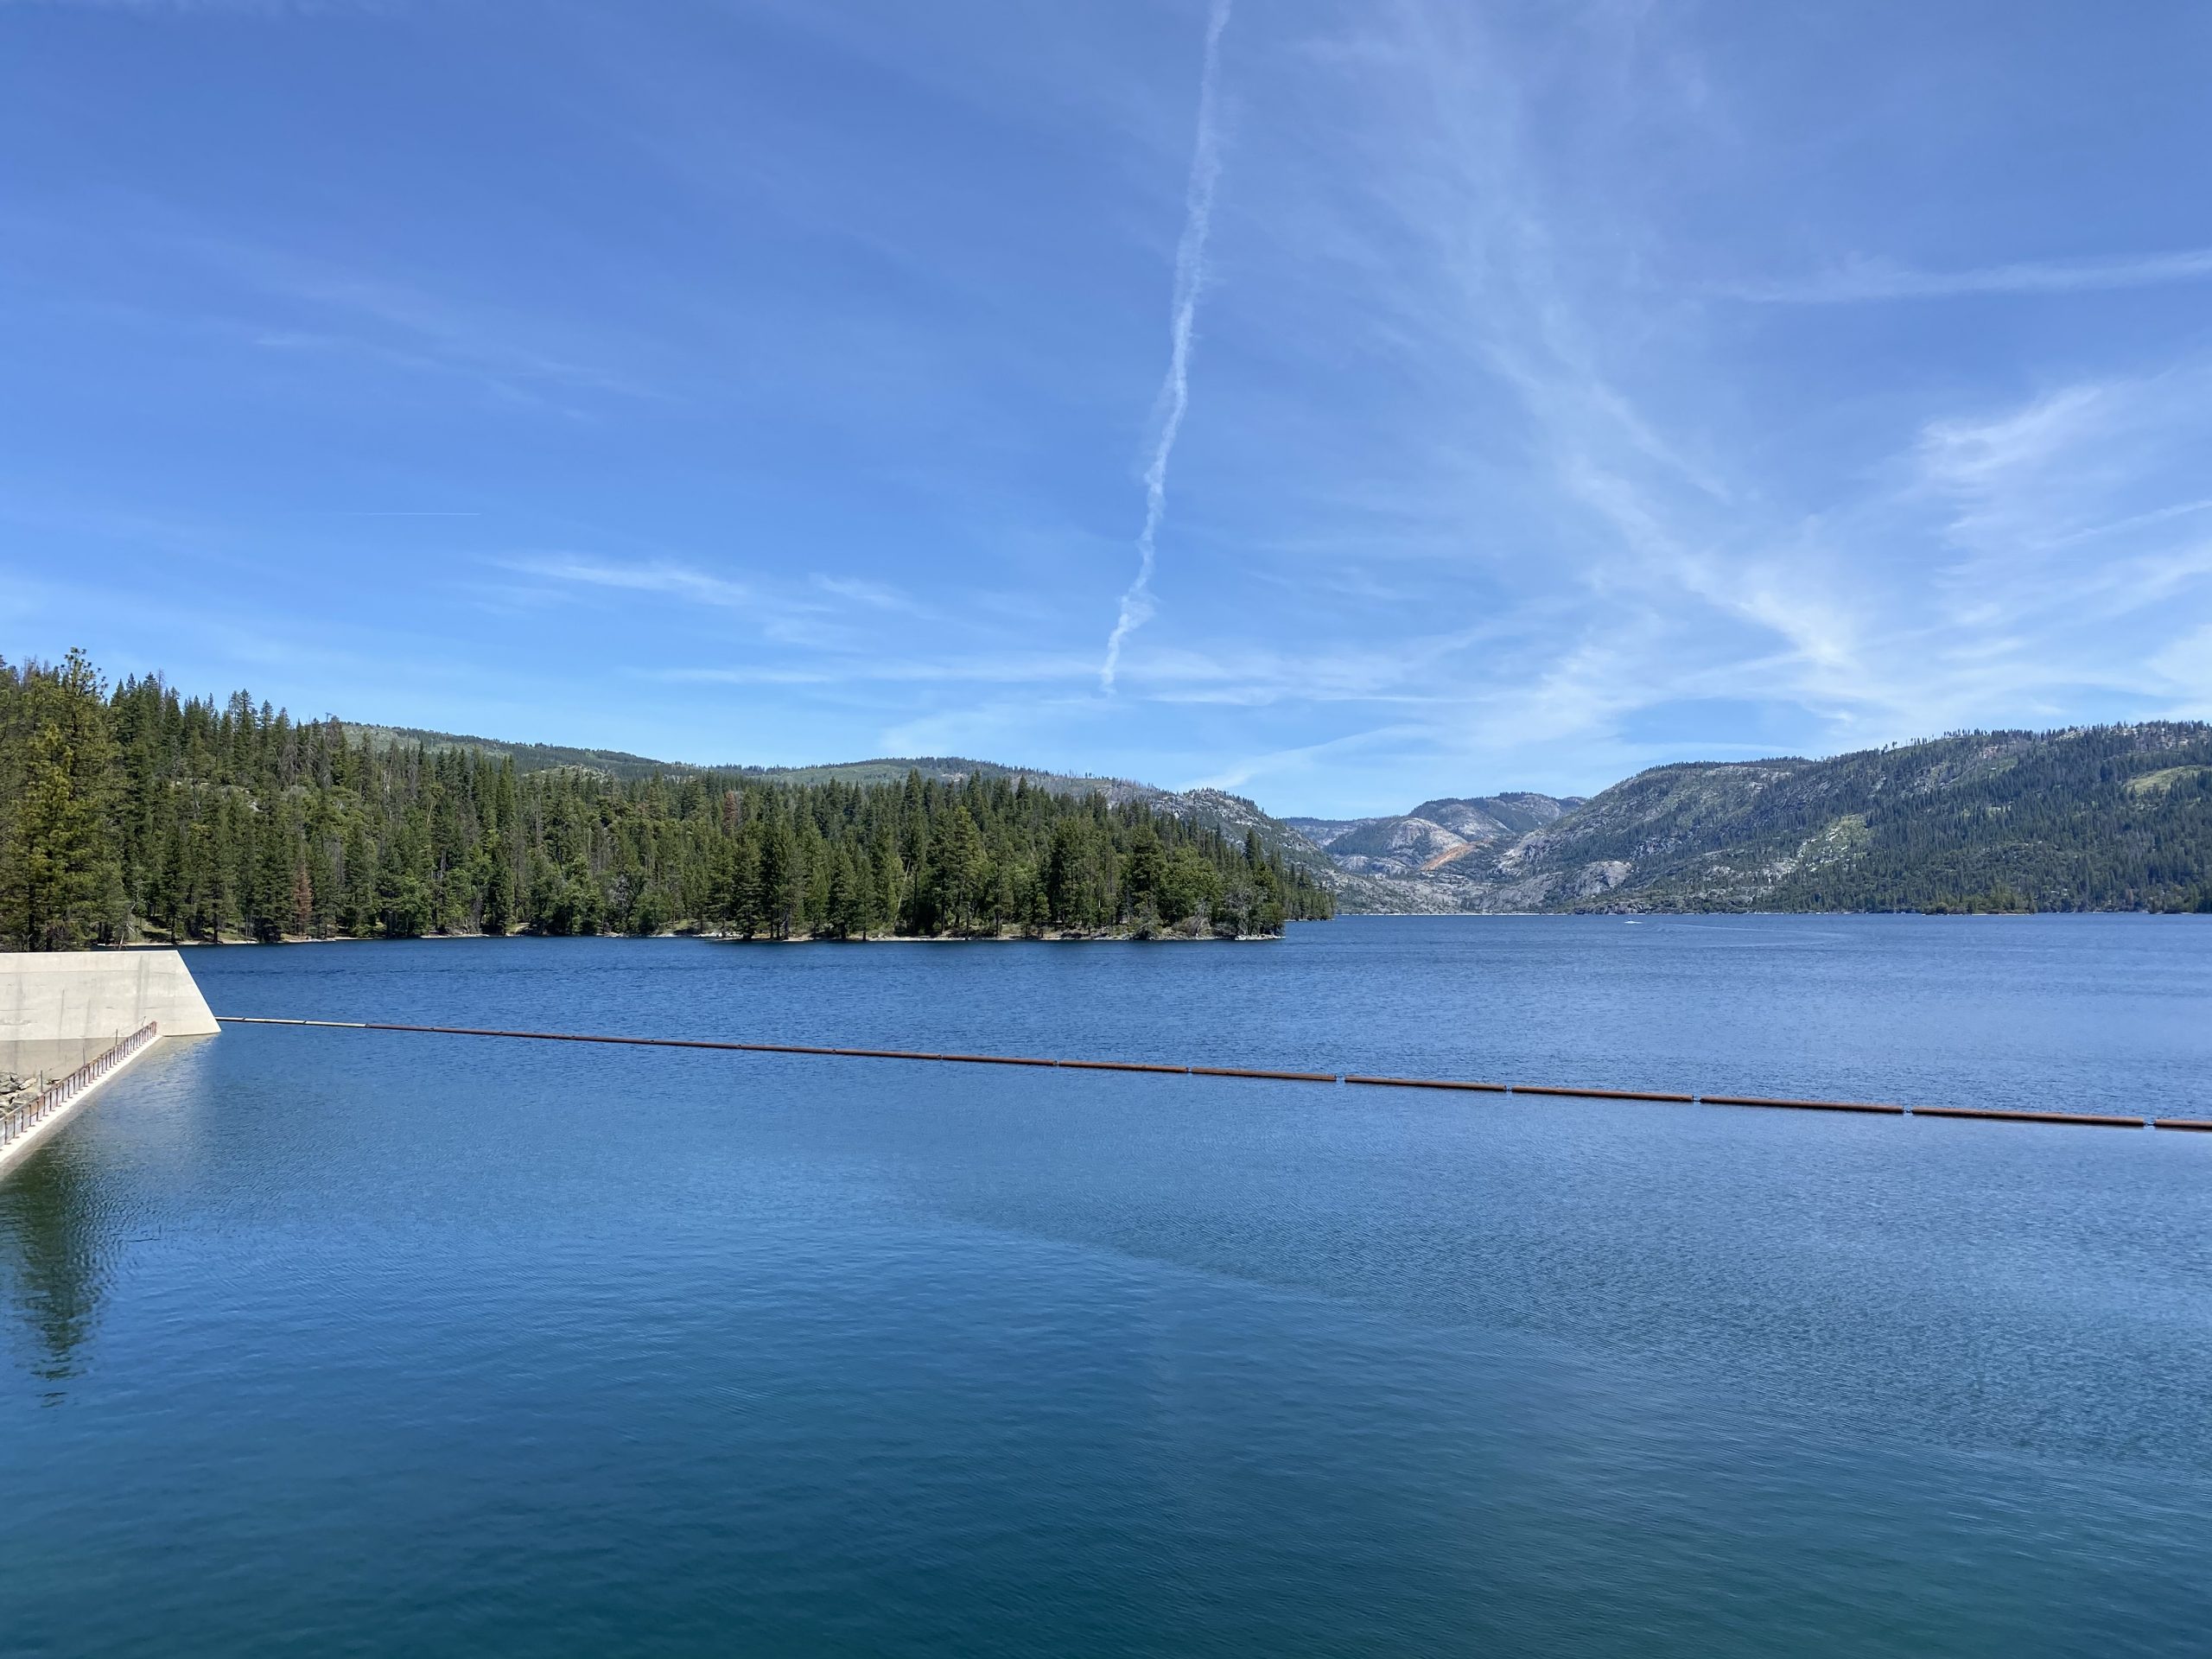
(53, 1250)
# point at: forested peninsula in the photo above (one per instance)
(135, 814)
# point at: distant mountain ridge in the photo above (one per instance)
(2086, 818)
(1433, 835)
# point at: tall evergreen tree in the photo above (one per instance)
(61, 882)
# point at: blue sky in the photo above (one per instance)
(1510, 394)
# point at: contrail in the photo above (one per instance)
(1175, 388)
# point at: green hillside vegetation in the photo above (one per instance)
(620, 764)
(2111, 817)
(945, 768)
(1230, 815)
(138, 814)
(527, 757)
(627, 767)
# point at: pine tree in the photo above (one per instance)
(1144, 871)
(498, 889)
(61, 884)
(357, 906)
(966, 863)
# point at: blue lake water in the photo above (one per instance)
(338, 1343)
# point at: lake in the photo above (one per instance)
(343, 1343)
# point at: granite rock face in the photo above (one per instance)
(1434, 835)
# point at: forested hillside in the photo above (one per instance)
(1205, 808)
(2106, 818)
(2111, 817)
(137, 813)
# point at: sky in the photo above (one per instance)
(1341, 403)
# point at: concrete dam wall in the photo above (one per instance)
(81, 996)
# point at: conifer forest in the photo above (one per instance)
(135, 814)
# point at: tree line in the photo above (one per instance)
(138, 814)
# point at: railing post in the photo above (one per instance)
(27, 1114)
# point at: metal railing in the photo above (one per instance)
(25, 1115)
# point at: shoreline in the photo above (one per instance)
(1163, 938)
(1049, 937)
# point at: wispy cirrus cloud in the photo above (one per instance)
(1863, 281)
(2186, 665)
(262, 292)
(982, 668)
(1276, 763)
(2107, 461)
(822, 613)
(374, 311)
(667, 577)
(875, 596)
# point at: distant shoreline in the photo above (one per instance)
(1047, 937)
(1054, 936)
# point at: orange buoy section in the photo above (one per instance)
(2094, 1119)
(1600, 1094)
(1427, 1082)
(1804, 1105)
